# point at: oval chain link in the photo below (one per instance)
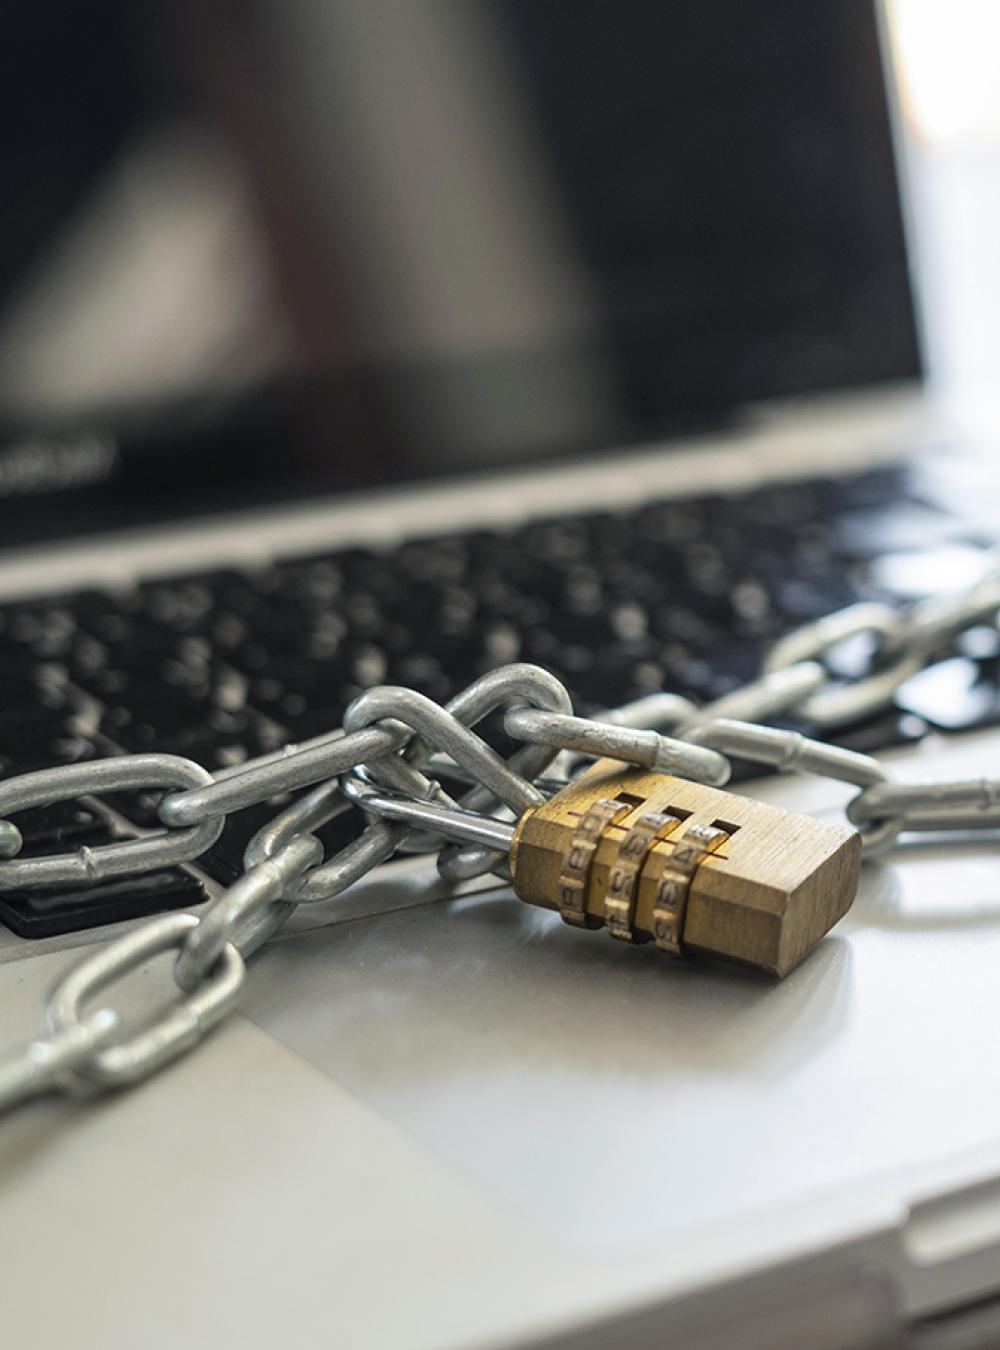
(181, 1025)
(123, 859)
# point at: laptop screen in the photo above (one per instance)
(256, 251)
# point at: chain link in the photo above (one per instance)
(386, 761)
(46, 1064)
(179, 1027)
(124, 772)
(251, 910)
(791, 752)
(631, 745)
(974, 805)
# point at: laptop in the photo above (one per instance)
(344, 345)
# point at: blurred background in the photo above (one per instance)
(260, 248)
(948, 83)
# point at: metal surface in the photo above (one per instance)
(451, 822)
(630, 745)
(275, 774)
(398, 737)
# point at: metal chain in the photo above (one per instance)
(386, 761)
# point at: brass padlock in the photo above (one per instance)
(689, 867)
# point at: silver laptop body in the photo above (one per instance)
(448, 1120)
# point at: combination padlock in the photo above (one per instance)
(689, 867)
(653, 858)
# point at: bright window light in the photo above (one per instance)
(947, 57)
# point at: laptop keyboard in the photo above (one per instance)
(227, 665)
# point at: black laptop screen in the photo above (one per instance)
(257, 251)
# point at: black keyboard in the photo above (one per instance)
(227, 665)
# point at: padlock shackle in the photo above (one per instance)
(463, 827)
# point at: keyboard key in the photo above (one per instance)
(68, 909)
(45, 828)
(32, 732)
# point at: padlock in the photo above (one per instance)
(654, 858)
(689, 867)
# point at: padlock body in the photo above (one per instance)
(775, 885)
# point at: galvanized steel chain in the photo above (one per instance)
(388, 760)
